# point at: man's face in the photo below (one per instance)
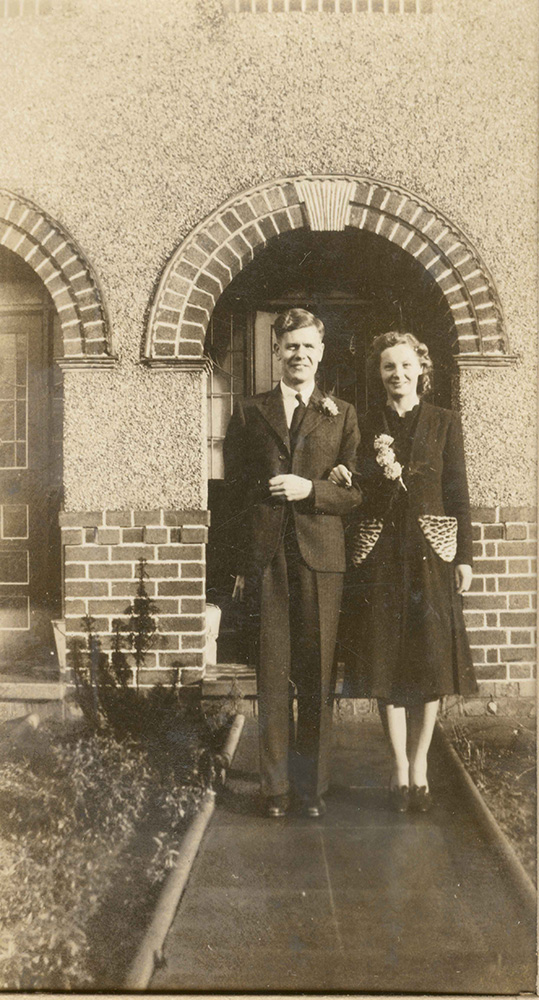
(300, 352)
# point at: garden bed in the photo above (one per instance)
(500, 756)
(89, 828)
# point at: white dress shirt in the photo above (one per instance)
(289, 398)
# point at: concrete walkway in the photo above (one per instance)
(363, 901)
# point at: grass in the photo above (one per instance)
(500, 756)
(89, 826)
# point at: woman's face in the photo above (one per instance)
(400, 369)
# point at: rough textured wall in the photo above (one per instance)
(135, 438)
(130, 121)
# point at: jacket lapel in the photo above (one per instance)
(421, 436)
(313, 414)
(272, 409)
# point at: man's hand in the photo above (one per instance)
(239, 587)
(341, 476)
(290, 487)
(463, 577)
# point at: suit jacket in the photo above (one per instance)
(435, 476)
(257, 447)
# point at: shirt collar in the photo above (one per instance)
(305, 392)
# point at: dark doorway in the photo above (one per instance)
(359, 284)
(30, 471)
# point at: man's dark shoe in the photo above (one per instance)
(276, 806)
(314, 807)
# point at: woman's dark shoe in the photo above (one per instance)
(276, 806)
(399, 798)
(421, 799)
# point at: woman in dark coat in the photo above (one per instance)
(411, 554)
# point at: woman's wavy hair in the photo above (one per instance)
(385, 340)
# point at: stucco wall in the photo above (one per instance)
(129, 121)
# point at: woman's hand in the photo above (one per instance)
(341, 476)
(463, 578)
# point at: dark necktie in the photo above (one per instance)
(297, 418)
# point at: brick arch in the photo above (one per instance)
(220, 246)
(63, 269)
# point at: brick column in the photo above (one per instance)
(101, 553)
(500, 610)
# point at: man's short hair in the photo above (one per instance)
(295, 319)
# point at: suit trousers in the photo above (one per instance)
(299, 613)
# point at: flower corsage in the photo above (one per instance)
(385, 456)
(329, 407)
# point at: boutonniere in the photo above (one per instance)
(328, 407)
(385, 456)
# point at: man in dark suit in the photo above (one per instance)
(279, 450)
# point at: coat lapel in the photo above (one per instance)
(421, 436)
(313, 414)
(272, 409)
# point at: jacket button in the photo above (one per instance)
(282, 458)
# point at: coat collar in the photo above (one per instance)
(272, 408)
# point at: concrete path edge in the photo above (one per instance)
(150, 950)
(490, 828)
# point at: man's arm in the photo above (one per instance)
(328, 498)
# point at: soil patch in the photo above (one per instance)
(500, 755)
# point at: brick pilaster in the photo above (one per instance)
(500, 610)
(102, 550)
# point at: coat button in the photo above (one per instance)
(282, 458)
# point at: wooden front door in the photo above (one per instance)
(30, 584)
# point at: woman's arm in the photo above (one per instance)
(455, 490)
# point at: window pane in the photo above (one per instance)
(7, 421)
(218, 467)
(14, 567)
(7, 456)
(220, 415)
(15, 520)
